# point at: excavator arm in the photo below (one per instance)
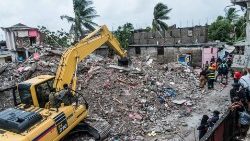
(66, 72)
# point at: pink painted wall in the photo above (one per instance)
(207, 54)
(33, 33)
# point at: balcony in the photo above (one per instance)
(240, 2)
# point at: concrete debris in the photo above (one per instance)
(3, 68)
(149, 62)
(55, 52)
(179, 102)
(169, 92)
(144, 100)
(135, 116)
(152, 134)
(36, 56)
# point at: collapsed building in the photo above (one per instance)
(149, 100)
(153, 99)
(20, 39)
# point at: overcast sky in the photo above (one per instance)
(112, 12)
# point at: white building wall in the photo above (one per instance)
(2, 60)
(10, 40)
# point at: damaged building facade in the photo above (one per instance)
(199, 53)
(174, 43)
(170, 45)
(187, 35)
(5, 56)
(20, 39)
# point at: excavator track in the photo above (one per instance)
(98, 129)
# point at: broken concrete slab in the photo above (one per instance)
(179, 102)
(119, 67)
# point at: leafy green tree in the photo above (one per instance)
(124, 34)
(220, 30)
(220, 18)
(84, 14)
(230, 28)
(240, 28)
(58, 38)
(160, 14)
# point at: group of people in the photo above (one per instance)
(208, 123)
(240, 99)
(215, 69)
(239, 94)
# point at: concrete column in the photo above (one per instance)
(247, 47)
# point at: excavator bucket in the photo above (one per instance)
(124, 62)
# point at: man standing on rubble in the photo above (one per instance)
(224, 71)
(211, 77)
(203, 78)
(206, 65)
(218, 61)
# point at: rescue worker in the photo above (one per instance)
(219, 60)
(64, 96)
(224, 71)
(68, 96)
(203, 78)
(229, 61)
(211, 77)
(219, 71)
(215, 67)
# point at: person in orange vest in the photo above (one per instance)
(214, 66)
(211, 77)
(237, 76)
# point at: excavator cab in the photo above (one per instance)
(35, 91)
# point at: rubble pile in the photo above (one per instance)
(148, 99)
(13, 73)
(144, 101)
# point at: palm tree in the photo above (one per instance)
(84, 14)
(232, 14)
(161, 12)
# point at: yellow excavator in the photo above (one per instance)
(46, 107)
